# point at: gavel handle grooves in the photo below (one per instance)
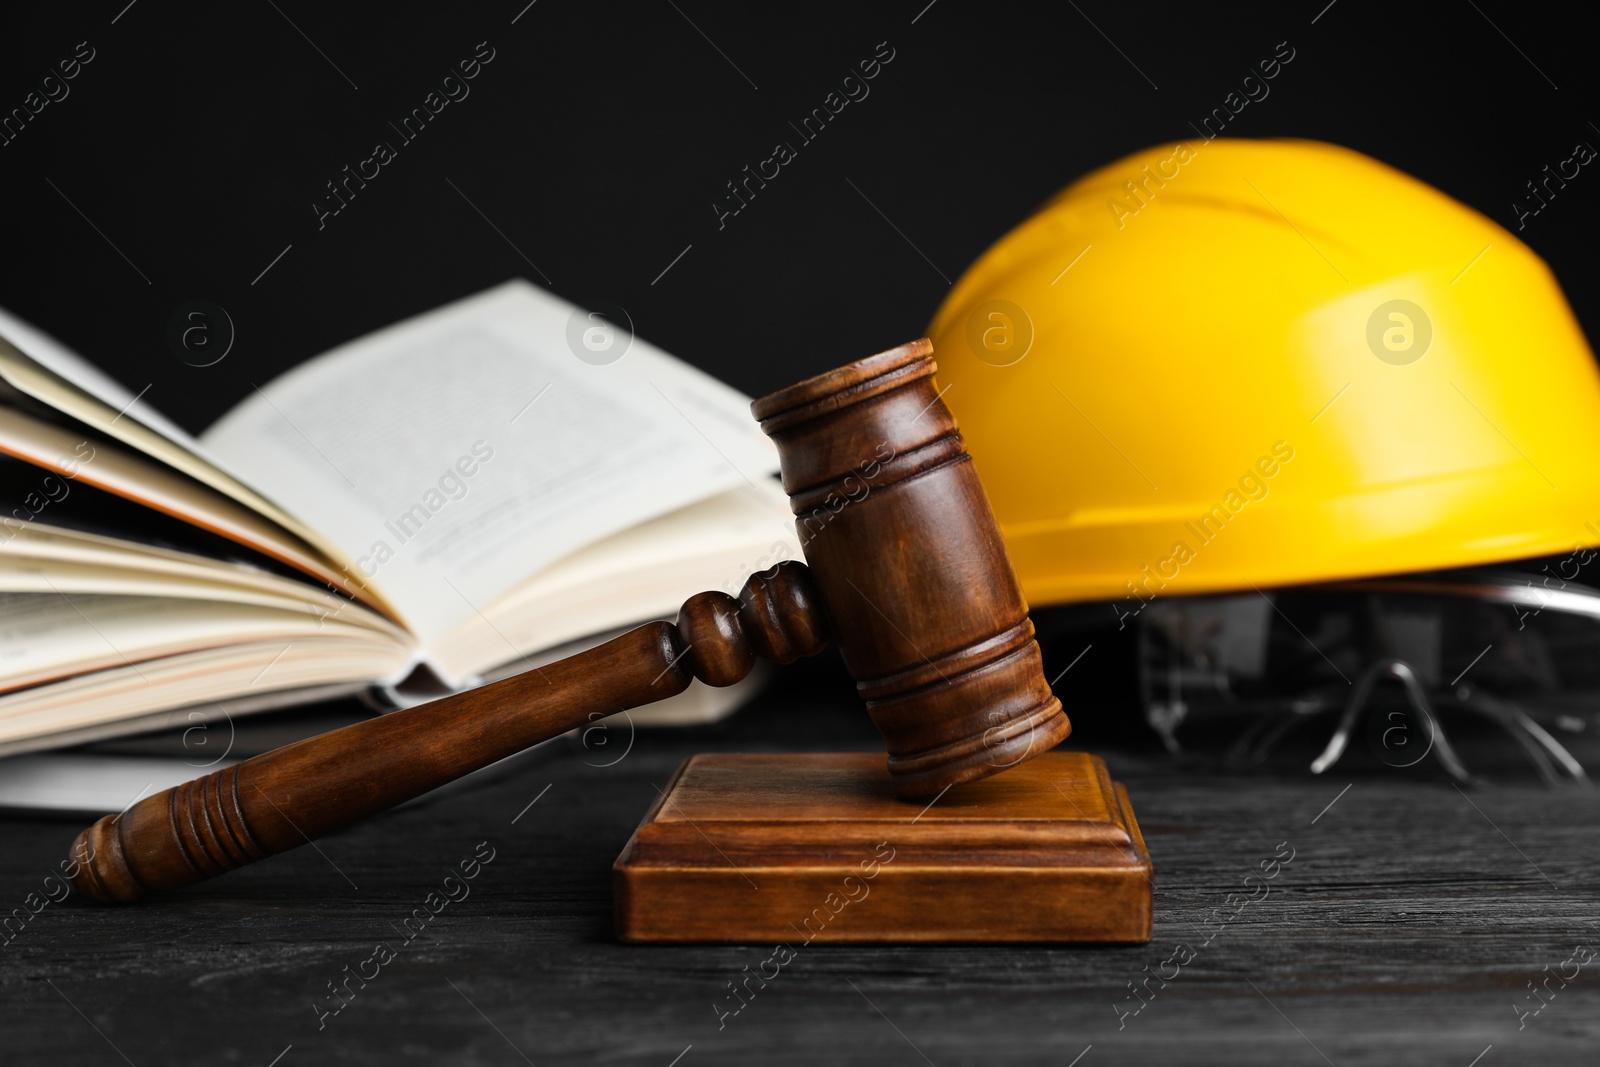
(275, 801)
(289, 796)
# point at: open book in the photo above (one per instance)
(440, 503)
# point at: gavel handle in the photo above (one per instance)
(287, 797)
(280, 799)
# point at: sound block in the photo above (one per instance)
(794, 848)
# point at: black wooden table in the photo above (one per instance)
(1406, 928)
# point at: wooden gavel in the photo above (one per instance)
(906, 564)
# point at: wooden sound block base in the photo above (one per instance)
(793, 848)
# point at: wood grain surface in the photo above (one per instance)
(1403, 931)
(804, 848)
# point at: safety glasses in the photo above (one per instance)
(1394, 657)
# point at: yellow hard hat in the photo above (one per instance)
(1217, 365)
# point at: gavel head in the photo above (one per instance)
(905, 550)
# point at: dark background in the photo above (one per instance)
(599, 136)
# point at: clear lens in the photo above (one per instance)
(1502, 647)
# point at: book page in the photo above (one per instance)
(62, 361)
(180, 453)
(210, 726)
(257, 674)
(135, 477)
(644, 572)
(45, 552)
(458, 453)
(31, 574)
(42, 636)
